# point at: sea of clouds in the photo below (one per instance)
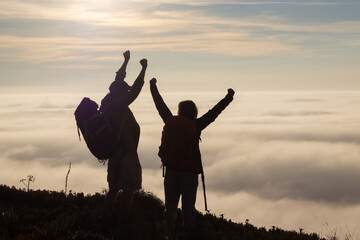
(286, 159)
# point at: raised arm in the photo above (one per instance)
(213, 113)
(160, 105)
(121, 73)
(139, 82)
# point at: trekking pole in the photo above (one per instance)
(203, 183)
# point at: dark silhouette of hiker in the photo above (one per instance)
(184, 182)
(124, 169)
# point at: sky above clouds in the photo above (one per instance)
(286, 151)
(249, 45)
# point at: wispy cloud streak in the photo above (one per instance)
(169, 29)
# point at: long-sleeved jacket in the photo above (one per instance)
(121, 118)
(201, 122)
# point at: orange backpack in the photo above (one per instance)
(177, 142)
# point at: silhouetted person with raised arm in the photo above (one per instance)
(184, 181)
(124, 169)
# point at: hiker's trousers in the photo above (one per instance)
(178, 183)
(124, 171)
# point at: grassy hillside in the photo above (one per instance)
(55, 216)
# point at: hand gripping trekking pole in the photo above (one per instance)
(203, 183)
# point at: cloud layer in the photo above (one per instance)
(307, 155)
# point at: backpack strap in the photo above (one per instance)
(86, 135)
(78, 130)
(121, 125)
